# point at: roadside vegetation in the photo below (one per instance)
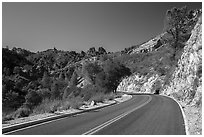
(54, 80)
(35, 88)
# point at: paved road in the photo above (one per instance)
(142, 115)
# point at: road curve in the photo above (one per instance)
(141, 115)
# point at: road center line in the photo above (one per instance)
(96, 129)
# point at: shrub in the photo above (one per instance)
(7, 117)
(76, 103)
(66, 93)
(90, 70)
(110, 96)
(46, 80)
(48, 106)
(57, 89)
(73, 81)
(99, 97)
(90, 90)
(65, 105)
(32, 99)
(55, 106)
(87, 95)
(11, 97)
(73, 92)
(44, 93)
(22, 112)
(43, 107)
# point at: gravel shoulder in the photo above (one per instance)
(194, 118)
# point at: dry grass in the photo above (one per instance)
(47, 106)
(51, 106)
(101, 97)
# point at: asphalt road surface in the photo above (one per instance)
(141, 115)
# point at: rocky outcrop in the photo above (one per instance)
(187, 78)
(149, 46)
(141, 84)
(185, 82)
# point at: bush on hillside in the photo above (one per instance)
(11, 97)
(57, 89)
(44, 93)
(101, 80)
(91, 90)
(22, 112)
(76, 103)
(32, 99)
(46, 80)
(46, 106)
(90, 70)
(99, 97)
(73, 81)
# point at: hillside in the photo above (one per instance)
(52, 80)
(33, 81)
(180, 77)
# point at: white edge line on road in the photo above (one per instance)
(182, 111)
(96, 129)
(35, 125)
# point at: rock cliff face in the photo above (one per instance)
(186, 80)
(139, 83)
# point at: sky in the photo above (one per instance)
(80, 26)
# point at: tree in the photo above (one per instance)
(90, 70)
(114, 72)
(32, 98)
(101, 80)
(73, 81)
(46, 80)
(57, 89)
(177, 23)
(10, 97)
